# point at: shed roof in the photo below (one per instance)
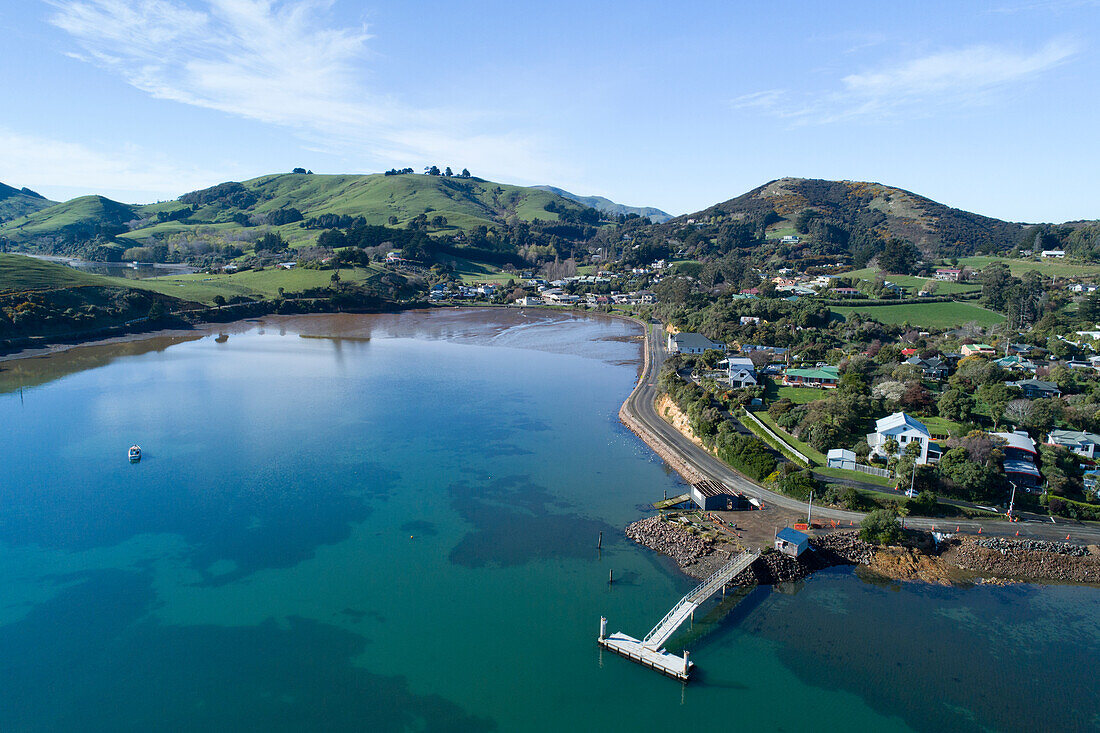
(792, 535)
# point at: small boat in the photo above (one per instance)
(135, 453)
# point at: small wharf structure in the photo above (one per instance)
(672, 503)
(650, 651)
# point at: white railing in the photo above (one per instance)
(787, 446)
(700, 593)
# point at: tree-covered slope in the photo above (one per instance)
(865, 211)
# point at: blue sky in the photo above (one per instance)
(988, 106)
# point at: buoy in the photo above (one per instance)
(956, 529)
(1017, 533)
(1067, 536)
(410, 537)
(979, 530)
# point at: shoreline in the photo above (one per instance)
(956, 562)
(63, 345)
(1013, 560)
(1003, 559)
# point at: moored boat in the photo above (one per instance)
(135, 453)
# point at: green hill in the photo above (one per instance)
(607, 206)
(841, 217)
(15, 202)
(28, 273)
(81, 218)
(283, 202)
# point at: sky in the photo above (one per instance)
(992, 107)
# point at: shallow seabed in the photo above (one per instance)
(390, 522)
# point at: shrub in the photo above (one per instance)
(880, 527)
(799, 484)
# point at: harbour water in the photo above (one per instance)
(390, 523)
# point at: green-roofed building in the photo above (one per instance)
(825, 377)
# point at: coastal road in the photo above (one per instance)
(640, 405)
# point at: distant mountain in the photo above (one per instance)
(607, 206)
(16, 202)
(849, 214)
(284, 200)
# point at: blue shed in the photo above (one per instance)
(791, 542)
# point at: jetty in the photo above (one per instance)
(649, 651)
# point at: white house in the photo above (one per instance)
(687, 342)
(1053, 254)
(1083, 444)
(905, 429)
(742, 372)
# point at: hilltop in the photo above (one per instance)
(286, 203)
(843, 217)
(607, 206)
(16, 202)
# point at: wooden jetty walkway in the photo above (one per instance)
(650, 652)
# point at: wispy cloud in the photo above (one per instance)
(131, 174)
(923, 85)
(281, 63)
(1044, 6)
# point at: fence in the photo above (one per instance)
(782, 445)
(853, 466)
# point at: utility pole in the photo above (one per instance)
(1012, 500)
(809, 509)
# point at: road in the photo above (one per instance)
(640, 404)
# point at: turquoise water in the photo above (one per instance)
(389, 523)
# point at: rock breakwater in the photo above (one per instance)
(1025, 559)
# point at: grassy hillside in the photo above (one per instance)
(19, 273)
(16, 202)
(229, 210)
(27, 273)
(79, 217)
(202, 288)
(924, 315)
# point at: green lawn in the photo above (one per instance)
(924, 315)
(1051, 268)
(773, 391)
(949, 288)
(914, 283)
(857, 476)
(783, 229)
(940, 426)
(477, 272)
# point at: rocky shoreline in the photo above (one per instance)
(985, 560)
